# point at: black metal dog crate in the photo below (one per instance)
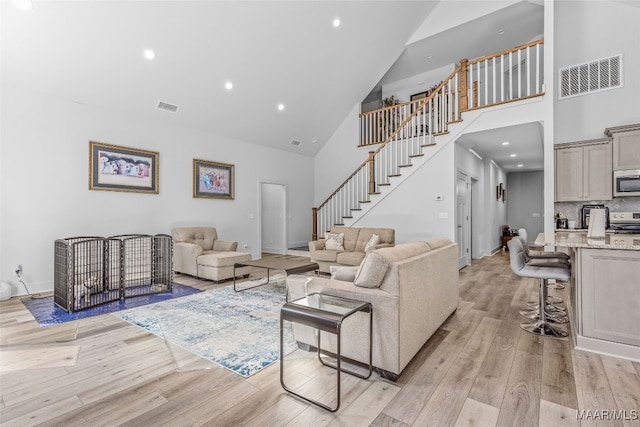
(90, 271)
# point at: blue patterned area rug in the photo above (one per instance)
(237, 330)
(47, 313)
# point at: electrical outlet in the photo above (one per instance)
(18, 270)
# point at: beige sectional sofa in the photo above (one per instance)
(197, 251)
(354, 241)
(415, 293)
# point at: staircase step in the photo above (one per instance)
(356, 209)
(428, 145)
(395, 174)
(383, 184)
(405, 166)
(441, 133)
(365, 201)
(347, 217)
(416, 155)
(455, 121)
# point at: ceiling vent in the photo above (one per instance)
(295, 143)
(594, 76)
(167, 107)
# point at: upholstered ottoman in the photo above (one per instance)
(219, 266)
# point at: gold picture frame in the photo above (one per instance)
(213, 180)
(117, 168)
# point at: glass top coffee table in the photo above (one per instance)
(326, 313)
(288, 265)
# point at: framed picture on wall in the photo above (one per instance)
(213, 180)
(115, 168)
(416, 97)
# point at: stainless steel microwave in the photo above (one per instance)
(626, 183)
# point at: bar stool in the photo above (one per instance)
(519, 266)
(541, 256)
(522, 234)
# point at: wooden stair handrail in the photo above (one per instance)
(507, 51)
(402, 125)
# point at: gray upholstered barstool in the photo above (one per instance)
(536, 257)
(520, 267)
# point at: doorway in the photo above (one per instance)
(463, 219)
(272, 200)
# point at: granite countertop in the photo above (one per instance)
(563, 239)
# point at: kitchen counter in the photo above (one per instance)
(572, 239)
(604, 291)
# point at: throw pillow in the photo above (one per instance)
(333, 242)
(374, 240)
(346, 274)
(371, 271)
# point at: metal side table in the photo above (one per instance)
(326, 313)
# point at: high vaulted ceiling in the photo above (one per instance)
(288, 52)
(91, 52)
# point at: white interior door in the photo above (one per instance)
(463, 219)
(273, 218)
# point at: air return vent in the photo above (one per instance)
(594, 76)
(167, 107)
(295, 143)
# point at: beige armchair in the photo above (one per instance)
(198, 252)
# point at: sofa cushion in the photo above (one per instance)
(350, 236)
(222, 259)
(438, 242)
(325, 255)
(371, 271)
(333, 241)
(386, 235)
(202, 236)
(374, 240)
(403, 251)
(346, 274)
(350, 258)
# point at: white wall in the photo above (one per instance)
(339, 157)
(45, 195)
(525, 202)
(411, 208)
(403, 89)
(587, 31)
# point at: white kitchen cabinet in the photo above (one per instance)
(626, 147)
(610, 295)
(583, 171)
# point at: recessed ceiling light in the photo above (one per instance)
(23, 4)
(505, 143)
(429, 56)
(336, 22)
(280, 107)
(512, 155)
(520, 165)
(228, 85)
(149, 54)
(500, 32)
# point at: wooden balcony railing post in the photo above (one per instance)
(314, 222)
(464, 98)
(372, 175)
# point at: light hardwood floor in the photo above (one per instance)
(478, 369)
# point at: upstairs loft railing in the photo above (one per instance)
(401, 131)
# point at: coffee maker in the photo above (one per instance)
(562, 223)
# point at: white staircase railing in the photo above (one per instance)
(403, 130)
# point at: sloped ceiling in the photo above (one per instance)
(91, 52)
